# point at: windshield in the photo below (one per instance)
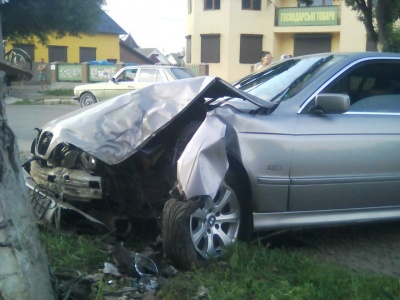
(285, 79)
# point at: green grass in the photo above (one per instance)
(25, 102)
(246, 271)
(59, 92)
(257, 272)
(74, 252)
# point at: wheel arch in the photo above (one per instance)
(240, 172)
(87, 92)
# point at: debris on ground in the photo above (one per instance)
(130, 275)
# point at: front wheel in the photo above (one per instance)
(196, 231)
(87, 99)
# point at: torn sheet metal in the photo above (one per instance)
(115, 129)
(203, 164)
(51, 210)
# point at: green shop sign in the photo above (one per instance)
(308, 16)
(69, 73)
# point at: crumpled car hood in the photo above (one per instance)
(115, 129)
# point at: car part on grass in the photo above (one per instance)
(71, 284)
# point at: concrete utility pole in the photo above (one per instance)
(24, 270)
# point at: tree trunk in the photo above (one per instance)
(24, 270)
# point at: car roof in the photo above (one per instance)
(153, 66)
(356, 55)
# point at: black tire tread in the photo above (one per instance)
(87, 94)
(177, 243)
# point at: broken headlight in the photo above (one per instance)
(89, 162)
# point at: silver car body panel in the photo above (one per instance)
(203, 164)
(115, 139)
(300, 158)
(99, 131)
(303, 168)
(289, 220)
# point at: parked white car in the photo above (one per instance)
(128, 79)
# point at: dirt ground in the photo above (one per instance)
(365, 248)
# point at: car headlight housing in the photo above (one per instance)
(89, 162)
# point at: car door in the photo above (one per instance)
(351, 160)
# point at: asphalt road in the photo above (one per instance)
(24, 118)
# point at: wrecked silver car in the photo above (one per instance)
(310, 141)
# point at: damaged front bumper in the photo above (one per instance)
(77, 185)
(51, 209)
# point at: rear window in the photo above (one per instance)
(182, 73)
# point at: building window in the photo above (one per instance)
(210, 48)
(189, 7)
(212, 4)
(28, 48)
(58, 53)
(250, 48)
(87, 54)
(188, 49)
(251, 4)
(316, 3)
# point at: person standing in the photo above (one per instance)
(266, 59)
(42, 74)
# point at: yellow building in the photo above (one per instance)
(104, 45)
(229, 35)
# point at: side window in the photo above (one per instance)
(147, 75)
(132, 74)
(372, 87)
(127, 75)
(159, 77)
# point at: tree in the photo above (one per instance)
(24, 19)
(24, 272)
(378, 17)
(393, 42)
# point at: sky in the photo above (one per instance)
(157, 24)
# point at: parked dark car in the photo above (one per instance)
(310, 141)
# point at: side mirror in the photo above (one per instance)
(113, 80)
(331, 103)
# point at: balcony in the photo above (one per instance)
(307, 16)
